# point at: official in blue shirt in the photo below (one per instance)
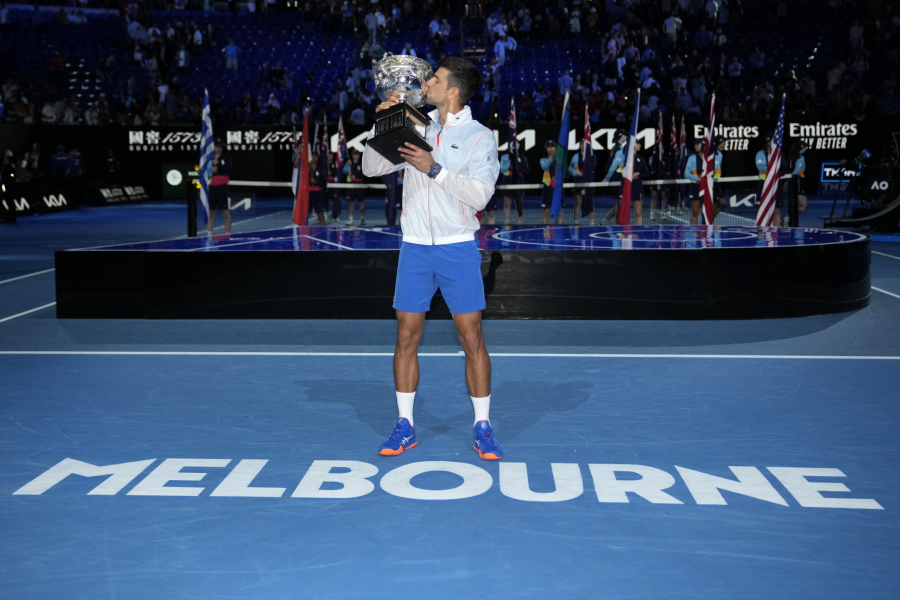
(693, 169)
(582, 171)
(796, 185)
(59, 166)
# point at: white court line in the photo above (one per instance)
(873, 252)
(25, 276)
(315, 239)
(459, 354)
(22, 314)
(885, 292)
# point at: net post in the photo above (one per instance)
(192, 211)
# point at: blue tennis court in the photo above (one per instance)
(237, 459)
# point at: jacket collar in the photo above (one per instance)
(460, 118)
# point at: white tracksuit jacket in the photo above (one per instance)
(442, 210)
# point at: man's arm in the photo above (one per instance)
(373, 163)
(475, 187)
(376, 165)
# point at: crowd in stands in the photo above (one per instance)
(677, 52)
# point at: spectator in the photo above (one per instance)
(735, 74)
(358, 116)
(671, 27)
(408, 50)
(434, 28)
(500, 51)
(565, 82)
(371, 23)
(48, 113)
(683, 100)
(231, 52)
(702, 37)
(211, 37)
(757, 64)
(198, 40)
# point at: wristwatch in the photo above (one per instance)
(434, 170)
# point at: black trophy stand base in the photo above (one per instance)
(394, 127)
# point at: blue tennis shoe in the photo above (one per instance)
(487, 445)
(403, 438)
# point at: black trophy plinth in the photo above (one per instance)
(394, 127)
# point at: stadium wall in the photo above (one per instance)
(146, 155)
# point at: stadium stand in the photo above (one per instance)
(62, 65)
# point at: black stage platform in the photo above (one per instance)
(549, 272)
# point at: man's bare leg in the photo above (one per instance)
(406, 359)
(478, 362)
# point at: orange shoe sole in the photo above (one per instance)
(487, 455)
(389, 452)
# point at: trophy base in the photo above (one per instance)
(394, 127)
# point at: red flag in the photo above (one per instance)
(301, 203)
(628, 172)
(709, 167)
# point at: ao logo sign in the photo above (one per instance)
(880, 185)
(613, 483)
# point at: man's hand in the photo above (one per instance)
(391, 101)
(417, 157)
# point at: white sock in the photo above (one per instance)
(405, 402)
(482, 408)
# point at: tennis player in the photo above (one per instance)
(442, 192)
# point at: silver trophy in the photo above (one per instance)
(401, 77)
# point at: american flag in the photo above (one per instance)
(773, 169)
(207, 151)
(628, 171)
(709, 167)
(340, 157)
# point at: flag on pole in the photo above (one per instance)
(628, 171)
(660, 144)
(561, 158)
(682, 144)
(314, 141)
(709, 167)
(207, 151)
(674, 137)
(511, 142)
(587, 167)
(301, 203)
(340, 157)
(773, 172)
(324, 155)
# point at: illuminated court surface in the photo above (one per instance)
(512, 237)
(212, 459)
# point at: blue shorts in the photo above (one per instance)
(454, 268)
